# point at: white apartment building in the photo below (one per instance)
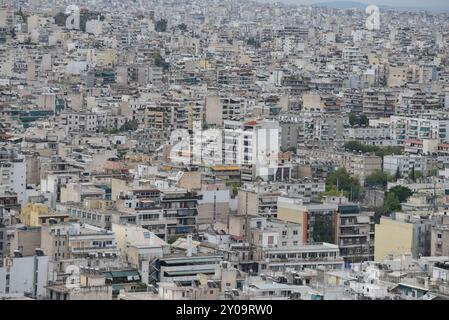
(367, 133)
(24, 275)
(254, 143)
(406, 128)
(13, 175)
(405, 164)
(274, 233)
(300, 257)
(352, 55)
(79, 121)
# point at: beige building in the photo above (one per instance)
(402, 234)
(91, 287)
(397, 76)
(258, 201)
(30, 214)
(392, 238)
(55, 241)
(26, 241)
(214, 111)
(440, 238)
(358, 165)
(237, 224)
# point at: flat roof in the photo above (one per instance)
(175, 260)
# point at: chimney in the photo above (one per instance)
(189, 245)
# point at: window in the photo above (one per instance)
(439, 236)
(295, 232)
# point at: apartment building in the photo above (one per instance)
(254, 144)
(405, 164)
(274, 233)
(25, 276)
(359, 165)
(418, 128)
(13, 173)
(402, 234)
(310, 256)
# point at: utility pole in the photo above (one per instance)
(434, 197)
(338, 183)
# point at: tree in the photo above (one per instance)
(332, 191)
(378, 151)
(412, 174)
(352, 119)
(398, 174)
(403, 193)
(182, 27)
(391, 203)
(418, 174)
(172, 239)
(253, 42)
(355, 120)
(340, 180)
(377, 179)
(130, 125)
(363, 120)
(235, 189)
(158, 60)
(161, 25)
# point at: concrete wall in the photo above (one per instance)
(26, 241)
(21, 275)
(392, 237)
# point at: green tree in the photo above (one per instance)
(253, 42)
(172, 239)
(398, 174)
(235, 189)
(363, 120)
(391, 203)
(340, 180)
(356, 146)
(418, 174)
(403, 193)
(130, 125)
(182, 27)
(377, 179)
(332, 192)
(355, 120)
(161, 25)
(158, 60)
(412, 174)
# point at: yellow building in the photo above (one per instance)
(36, 215)
(292, 210)
(393, 237)
(31, 212)
(95, 203)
